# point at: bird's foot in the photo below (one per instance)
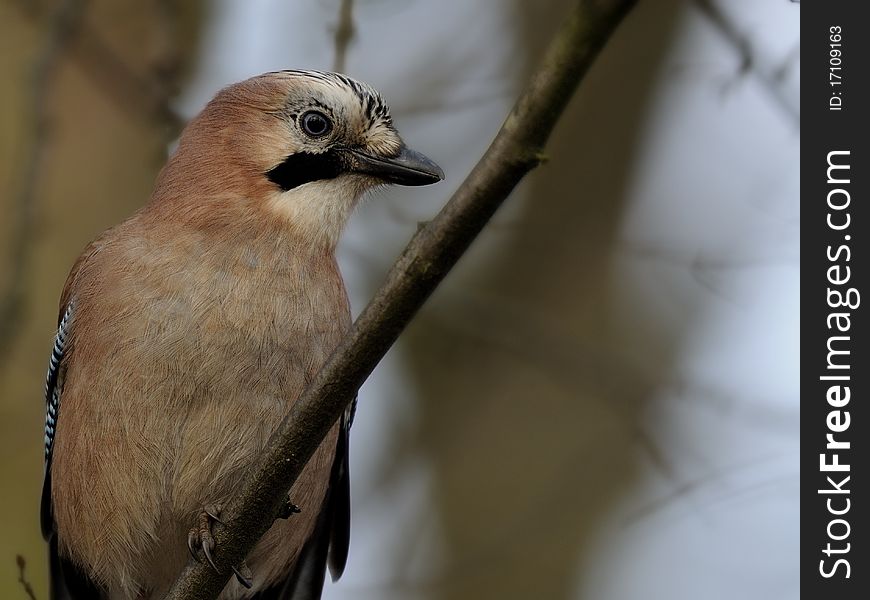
(201, 538)
(288, 509)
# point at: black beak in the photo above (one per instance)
(406, 168)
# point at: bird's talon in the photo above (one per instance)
(244, 575)
(207, 547)
(212, 511)
(200, 537)
(192, 536)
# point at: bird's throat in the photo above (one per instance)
(318, 210)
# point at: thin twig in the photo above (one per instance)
(771, 78)
(28, 589)
(345, 31)
(60, 30)
(430, 255)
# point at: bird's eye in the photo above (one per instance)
(315, 124)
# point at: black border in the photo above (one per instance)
(823, 131)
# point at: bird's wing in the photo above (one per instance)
(330, 540)
(53, 389)
(57, 366)
(67, 582)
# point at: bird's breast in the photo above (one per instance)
(219, 337)
(251, 318)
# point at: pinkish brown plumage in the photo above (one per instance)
(193, 327)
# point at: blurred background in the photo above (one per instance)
(601, 402)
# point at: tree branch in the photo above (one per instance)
(344, 34)
(61, 28)
(142, 96)
(430, 255)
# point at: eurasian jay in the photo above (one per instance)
(187, 332)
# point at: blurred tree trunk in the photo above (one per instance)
(106, 123)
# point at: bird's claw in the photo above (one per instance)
(244, 575)
(212, 512)
(201, 538)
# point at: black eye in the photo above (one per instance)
(315, 124)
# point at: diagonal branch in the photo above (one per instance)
(430, 255)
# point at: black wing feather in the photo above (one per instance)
(339, 539)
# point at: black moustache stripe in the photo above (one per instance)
(304, 167)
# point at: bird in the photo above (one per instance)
(186, 333)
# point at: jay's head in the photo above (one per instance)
(299, 147)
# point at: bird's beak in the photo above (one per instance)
(406, 168)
